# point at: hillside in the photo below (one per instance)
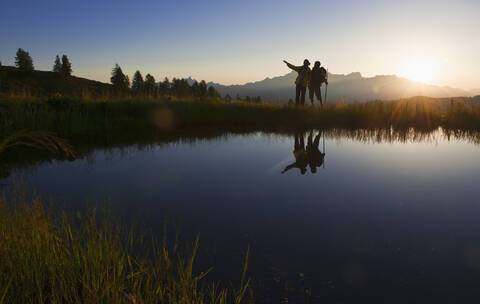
(41, 83)
(349, 88)
(352, 87)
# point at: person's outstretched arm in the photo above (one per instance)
(289, 167)
(295, 68)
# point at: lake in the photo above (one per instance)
(365, 216)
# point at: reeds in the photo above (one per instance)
(67, 116)
(91, 259)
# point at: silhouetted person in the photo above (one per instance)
(315, 157)
(318, 76)
(302, 80)
(301, 158)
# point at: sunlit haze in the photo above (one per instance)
(236, 42)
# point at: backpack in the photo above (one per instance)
(323, 75)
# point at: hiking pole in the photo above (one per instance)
(323, 135)
(326, 88)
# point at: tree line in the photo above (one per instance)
(139, 86)
(24, 62)
(148, 86)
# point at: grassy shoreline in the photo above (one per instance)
(56, 124)
(50, 257)
(69, 117)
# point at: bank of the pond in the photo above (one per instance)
(74, 117)
(50, 257)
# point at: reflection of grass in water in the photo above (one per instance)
(118, 145)
(36, 139)
(39, 140)
(90, 259)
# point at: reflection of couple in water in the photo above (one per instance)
(311, 156)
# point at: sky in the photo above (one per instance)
(233, 42)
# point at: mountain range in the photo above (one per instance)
(351, 87)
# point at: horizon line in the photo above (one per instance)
(470, 90)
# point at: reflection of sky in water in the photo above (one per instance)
(402, 216)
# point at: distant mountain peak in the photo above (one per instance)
(342, 87)
(354, 75)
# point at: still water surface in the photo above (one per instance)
(394, 219)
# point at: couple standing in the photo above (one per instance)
(312, 79)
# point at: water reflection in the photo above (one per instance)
(310, 156)
(306, 156)
(393, 211)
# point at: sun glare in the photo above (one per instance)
(420, 69)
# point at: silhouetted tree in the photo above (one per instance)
(202, 88)
(119, 80)
(173, 87)
(66, 66)
(212, 93)
(23, 61)
(238, 98)
(228, 98)
(137, 83)
(248, 99)
(180, 88)
(149, 85)
(164, 87)
(195, 89)
(185, 89)
(57, 66)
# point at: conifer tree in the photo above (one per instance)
(23, 61)
(165, 87)
(66, 66)
(137, 83)
(57, 67)
(149, 85)
(212, 93)
(203, 88)
(119, 80)
(195, 89)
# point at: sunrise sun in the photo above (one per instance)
(420, 69)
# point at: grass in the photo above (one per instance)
(70, 118)
(68, 122)
(14, 82)
(92, 259)
(87, 124)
